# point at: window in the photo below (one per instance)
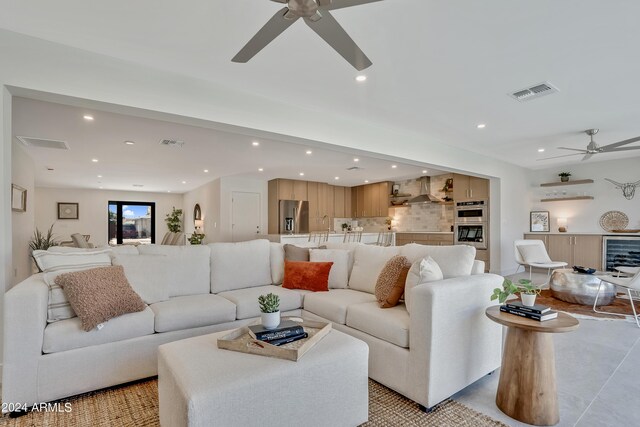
(132, 222)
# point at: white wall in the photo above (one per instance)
(584, 215)
(93, 211)
(23, 175)
(208, 197)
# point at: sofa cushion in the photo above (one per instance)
(149, 275)
(189, 271)
(192, 311)
(350, 247)
(368, 263)
(99, 294)
(339, 274)
(454, 261)
(391, 325)
(306, 275)
(390, 283)
(240, 265)
(55, 263)
(246, 300)
(277, 262)
(422, 271)
(333, 305)
(68, 334)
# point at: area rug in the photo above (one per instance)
(136, 405)
(619, 305)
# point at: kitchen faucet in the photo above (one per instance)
(323, 218)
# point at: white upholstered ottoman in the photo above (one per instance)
(202, 385)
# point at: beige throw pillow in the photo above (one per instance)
(99, 294)
(422, 271)
(295, 253)
(391, 281)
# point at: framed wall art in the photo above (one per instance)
(18, 198)
(68, 210)
(539, 221)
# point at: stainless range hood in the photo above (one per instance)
(425, 193)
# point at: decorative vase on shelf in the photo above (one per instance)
(270, 320)
(564, 178)
(528, 300)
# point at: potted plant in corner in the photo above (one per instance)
(41, 241)
(564, 176)
(269, 310)
(174, 220)
(525, 288)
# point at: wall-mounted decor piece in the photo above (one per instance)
(68, 210)
(197, 213)
(628, 189)
(18, 198)
(539, 221)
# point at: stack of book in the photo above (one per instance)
(536, 312)
(288, 331)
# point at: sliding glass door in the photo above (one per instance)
(132, 223)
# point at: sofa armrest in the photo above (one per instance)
(452, 342)
(25, 318)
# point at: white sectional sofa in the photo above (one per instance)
(442, 346)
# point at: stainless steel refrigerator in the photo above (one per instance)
(294, 217)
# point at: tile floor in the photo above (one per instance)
(598, 376)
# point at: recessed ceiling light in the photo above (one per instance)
(425, 171)
(129, 142)
(184, 182)
(206, 171)
(336, 178)
(309, 152)
(481, 126)
(101, 188)
(260, 169)
(94, 160)
(356, 159)
(99, 176)
(394, 166)
(168, 191)
(361, 78)
(301, 173)
(255, 143)
(366, 181)
(540, 150)
(87, 117)
(138, 185)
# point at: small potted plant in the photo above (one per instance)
(564, 176)
(42, 241)
(388, 222)
(525, 288)
(196, 238)
(344, 226)
(269, 310)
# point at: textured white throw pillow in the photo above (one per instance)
(422, 271)
(339, 274)
(534, 254)
(369, 261)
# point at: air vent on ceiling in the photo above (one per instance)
(171, 142)
(138, 185)
(42, 143)
(533, 92)
(354, 168)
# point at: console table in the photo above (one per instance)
(527, 386)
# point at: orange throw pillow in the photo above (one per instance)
(310, 276)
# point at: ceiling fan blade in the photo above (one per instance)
(556, 157)
(618, 144)
(331, 31)
(281, 1)
(272, 29)
(587, 156)
(572, 149)
(340, 4)
(623, 149)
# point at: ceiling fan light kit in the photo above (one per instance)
(316, 15)
(593, 148)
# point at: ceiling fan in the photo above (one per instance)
(317, 16)
(594, 148)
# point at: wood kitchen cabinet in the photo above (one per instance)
(290, 189)
(469, 187)
(338, 202)
(574, 249)
(371, 200)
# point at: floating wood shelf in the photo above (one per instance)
(399, 206)
(560, 184)
(559, 199)
(395, 196)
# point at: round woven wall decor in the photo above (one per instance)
(614, 220)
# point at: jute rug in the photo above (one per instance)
(136, 405)
(619, 305)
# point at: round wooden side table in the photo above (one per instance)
(527, 387)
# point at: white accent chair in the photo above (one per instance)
(532, 253)
(628, 283)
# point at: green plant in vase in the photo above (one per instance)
(42, 241)
(269, 310)
(174, 220)
(524, 287)
(196, 238)
(564, 176)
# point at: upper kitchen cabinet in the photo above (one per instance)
(371, 200)
(289, 189)
(470, 188)
(338, 202)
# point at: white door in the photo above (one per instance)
(245, 216)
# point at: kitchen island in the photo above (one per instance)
(297, 239)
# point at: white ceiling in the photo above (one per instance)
(163, 168)
(440, 67)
